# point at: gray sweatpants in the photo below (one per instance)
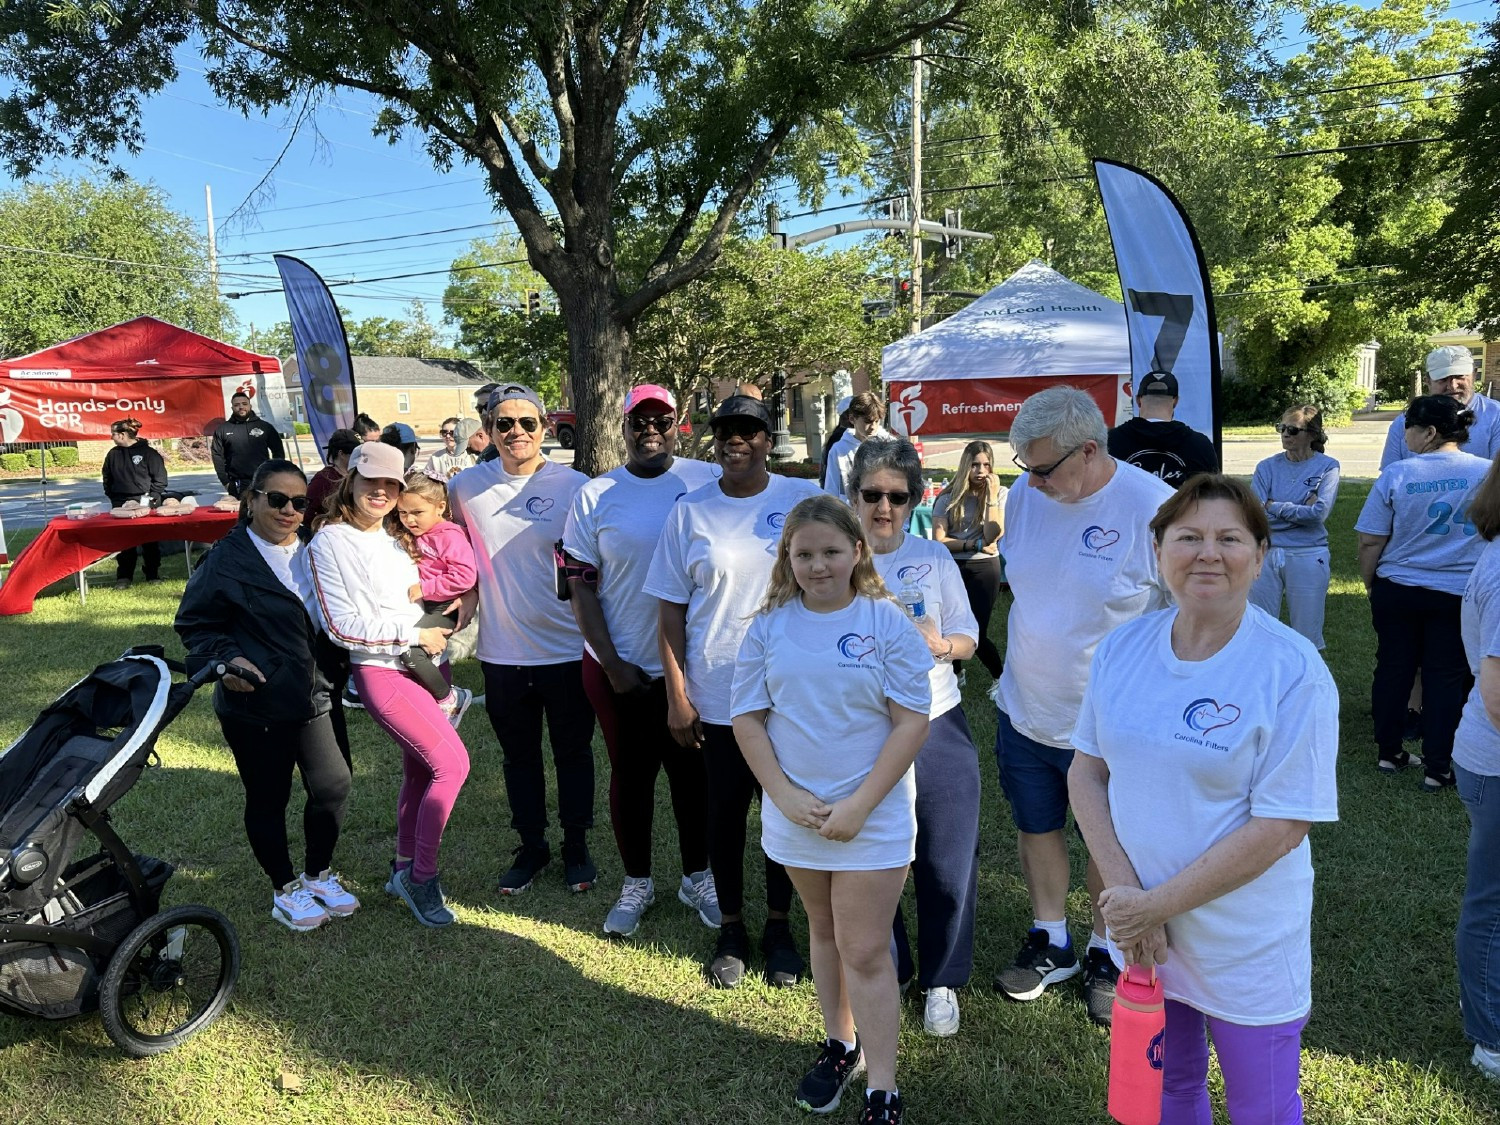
(1302, 574)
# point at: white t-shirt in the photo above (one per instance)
(1476, 744)
(614, 524)
(360, 583)
(1077, 571)
(282, 561)
(715, 557)
(1484, 434)
(931, 567)
(1194, 750)
(826, 679)
(513, 522)
(1421, 504)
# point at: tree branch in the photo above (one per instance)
(876, 52)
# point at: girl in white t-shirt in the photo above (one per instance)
(829, 704)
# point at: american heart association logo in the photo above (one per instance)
(539, 505)
(1097, 538)
(914, 573)
(855, 647)
(1205, 715)
(909, 412)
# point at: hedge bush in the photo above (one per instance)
(36, 458)
(65, 457)
(13, 462)
(301, 428)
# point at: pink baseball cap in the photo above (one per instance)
(649, 392)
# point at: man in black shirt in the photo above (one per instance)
(1155, 442)
(241, 443)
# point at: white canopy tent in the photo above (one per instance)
(971, 373)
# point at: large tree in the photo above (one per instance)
(80, 255)
(584, 116)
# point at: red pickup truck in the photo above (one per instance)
(561, 424)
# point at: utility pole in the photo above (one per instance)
(916, 186)
(213, 244)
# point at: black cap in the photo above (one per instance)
(1158, 383)
(743, 406)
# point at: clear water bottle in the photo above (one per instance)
(914, 600)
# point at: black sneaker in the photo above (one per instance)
(823, 1085)
(1390, 764)
(1437, 782)
(1412, 730)
(578, 868)
(1099, 976)
(529, 859)
(1039, 965)
(784, 965)
(350, 698)
(731, 952)
(881, 1108)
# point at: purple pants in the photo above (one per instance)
(1260, 1066)
(434, 760)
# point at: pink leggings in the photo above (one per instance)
(434, 761)
(1260, 1066)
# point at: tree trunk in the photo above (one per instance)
(599, 368)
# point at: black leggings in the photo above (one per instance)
(982, 584)
(265, 754)
(1418, 627)
(731, 786)
(416, 660)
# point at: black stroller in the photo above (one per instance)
(79, 931)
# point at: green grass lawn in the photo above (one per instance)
(523, 1012)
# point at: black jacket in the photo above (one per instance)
(133, 471)
(1171, 450)
(235, 606)
(240, 447)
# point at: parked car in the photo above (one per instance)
(562, 425)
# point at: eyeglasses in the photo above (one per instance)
(661, 423)
(872, 496)
(528, 423)
(1043, 474)
(726, 428)
(279, 500)
(448, 433)
(1291, 431)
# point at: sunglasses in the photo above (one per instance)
(1291, 431)
(448, 433)
(528, 423)
(279, 500)
(726, 428)
(1043, 474)
(661, 423)
(872, 496)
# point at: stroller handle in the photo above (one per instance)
(216, 670)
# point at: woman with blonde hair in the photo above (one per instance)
(829, 704)
(967, 518)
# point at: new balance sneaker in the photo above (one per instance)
(940, 1012)
(578, 868)
(698, 892)
(1099, 976)
(529, 859)
(327, 889)
(822, 1087)
(731, 952)
(881, 1108)
(1038, 966)
(624, 917)
(457, 705)
(784, 965)
(296, 909)
(425, 899)
(1394, 763)
(1487, 1061)
(350, 698)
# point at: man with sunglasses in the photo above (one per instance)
(1155, 441)
(612, 531)
(710, 572)
(530, 650)
(456, 454)
(1450, 372)
(1080, 561)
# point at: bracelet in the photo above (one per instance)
(947, 656)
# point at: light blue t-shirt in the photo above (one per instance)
(1298, 496)
(1476, 744)
(1484, 434)
(1421, 504)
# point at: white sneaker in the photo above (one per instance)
(698, 891)
(625, 916)
(327, 889)
(457, 705)
(1487, 1061)
(940, 1015)
(296, 909)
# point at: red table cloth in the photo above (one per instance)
(67, 546)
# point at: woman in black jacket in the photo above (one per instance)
(244, 605)
(134, 471)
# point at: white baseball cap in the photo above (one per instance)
(1446, 362)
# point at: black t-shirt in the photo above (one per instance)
(1172, 450)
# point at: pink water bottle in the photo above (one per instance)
(1136, 1033)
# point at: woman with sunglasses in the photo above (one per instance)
(1417, 548)
(1298, 486)
(886, 476)
(967, 519)
(244, 605)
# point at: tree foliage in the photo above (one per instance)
(415, 336)
(80, 255)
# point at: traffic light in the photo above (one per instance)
(533, 302)
(901, 290)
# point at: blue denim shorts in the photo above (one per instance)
(1034, 777)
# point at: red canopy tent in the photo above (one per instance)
(176, 382)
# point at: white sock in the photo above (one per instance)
(893, 1092)
(848, 1046)
(1057, 932)
(1097, 942)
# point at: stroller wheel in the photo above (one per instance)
(170, 978)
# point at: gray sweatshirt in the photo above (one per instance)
(1299, 496)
